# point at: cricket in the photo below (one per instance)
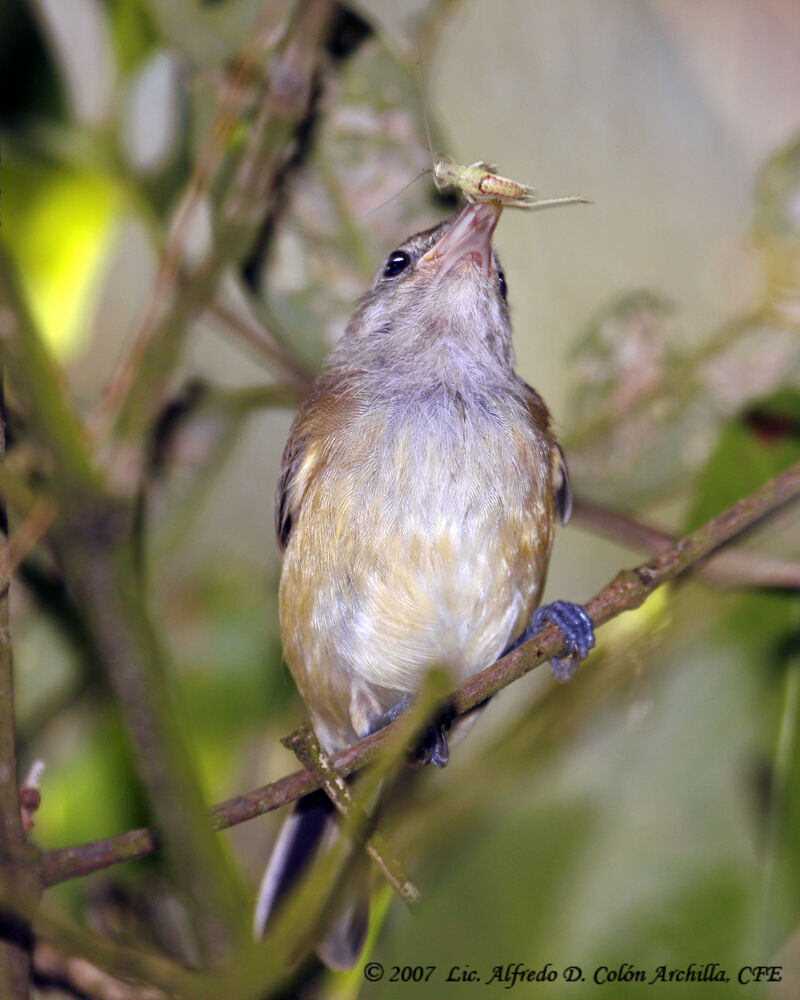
(481, 182)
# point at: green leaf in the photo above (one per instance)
(58, 223)
(753, 447)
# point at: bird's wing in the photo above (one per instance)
(540, 418)
(287, 500)
(562, 491)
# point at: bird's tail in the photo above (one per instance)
(304, 832)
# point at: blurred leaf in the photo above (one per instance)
(224, 630)
(207, 33)
(90, 790)
(152, 127)
(777, 208)
(58, 223)
(133, 31)
(761, 624)
(628, 839)
(352, 201)
(781, 909)
(622, 356)
(752, 448)
(647, 413)
(763, 628)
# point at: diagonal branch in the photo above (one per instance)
(181, 292)
(628, 590)
(731, 568)
(303, 742)
(92, 539)
(18, 878)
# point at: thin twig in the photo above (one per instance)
(18, 876)
(29, 533)
(731, 568)
(40, 383)
(305, 746)
(258, 339)
(180, 293)
(210, 157)
(92, 539)
(628, 590)
(685, 378)
(139, 964)
(54, 967)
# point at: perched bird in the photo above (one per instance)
(415, 511)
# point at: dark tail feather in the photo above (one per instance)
(296, 845)
(311, 821)
(344, 938)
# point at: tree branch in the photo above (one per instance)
(180, 291)
(303, 742)
(93, 542)
(628, 590)
(29, 534)
(139, 964)
(255, 337)
(731, 568)
(17, 874)
(55, 968)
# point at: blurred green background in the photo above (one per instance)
(646, 813)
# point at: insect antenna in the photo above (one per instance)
(397, 194)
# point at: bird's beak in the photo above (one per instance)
(469, 238)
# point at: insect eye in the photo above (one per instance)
(501, 284)
(397, 262)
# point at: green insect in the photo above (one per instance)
(480, 182)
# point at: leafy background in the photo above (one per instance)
(646, 813)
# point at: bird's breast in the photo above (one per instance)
(422, 540)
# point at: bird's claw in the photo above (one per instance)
(576, 628)
(433, 747)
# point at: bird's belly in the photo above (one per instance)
(388, 577)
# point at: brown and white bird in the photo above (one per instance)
(415, 510)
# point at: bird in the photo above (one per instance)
(415, 511)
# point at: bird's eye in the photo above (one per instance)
(397, 262)
(501, 284)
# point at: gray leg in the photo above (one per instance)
(576, 627)
(433, 747)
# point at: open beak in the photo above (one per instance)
(469, 239)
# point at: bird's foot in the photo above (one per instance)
(394, 712)
(432, 748)
(576, 627)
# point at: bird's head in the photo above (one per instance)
(439, 295)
